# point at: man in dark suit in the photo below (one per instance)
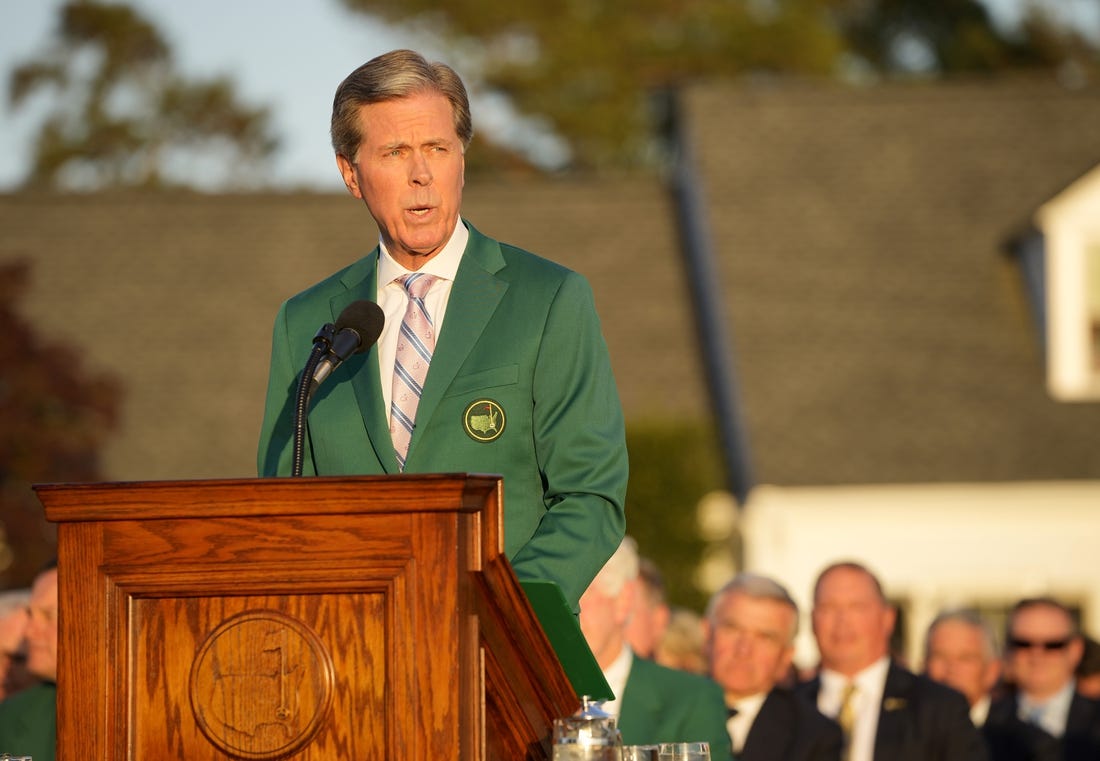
(750, 626)
(886, 712)
(960, 650)
(491, 359)
(1045, 719)
(653, 704)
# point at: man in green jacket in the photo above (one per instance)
(654, 704)
(28, 719)
(491, 359)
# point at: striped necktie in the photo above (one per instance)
(415, 344)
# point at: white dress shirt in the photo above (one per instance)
(870, 684)
(738, 726)
(616, 675)
(979, 712)
(1051, 715)
(393, 299)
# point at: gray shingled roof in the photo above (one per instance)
(880, 329)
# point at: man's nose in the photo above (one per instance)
(420, 173)
(742, 644)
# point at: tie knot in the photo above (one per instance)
(417, 283)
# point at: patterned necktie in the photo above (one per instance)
(846, 717)
(415, 344)
(1035, 715)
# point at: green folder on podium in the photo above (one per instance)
(564, 632)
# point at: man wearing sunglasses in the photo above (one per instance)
(1045, 719)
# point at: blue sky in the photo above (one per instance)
(290, 55)
(291, 58)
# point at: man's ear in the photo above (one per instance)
(347, 171)
(991, 674)
(1076, 650)
(783, 666)
(890, 619)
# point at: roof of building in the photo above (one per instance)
(881, 331)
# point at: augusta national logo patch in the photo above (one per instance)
(483, 420)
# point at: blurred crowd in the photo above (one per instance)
(1028, 693)
(727, 676)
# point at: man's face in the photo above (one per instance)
(409, 171)
(41, 631)
(13, 659)
(958, 657)
(1042, 650)
(851, 622)
(603, 620)
(748, 644)
(647, 623)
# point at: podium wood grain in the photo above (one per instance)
(315, 619)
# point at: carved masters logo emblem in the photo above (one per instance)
(483, 420)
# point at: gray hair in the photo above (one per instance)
(757, 587)
(970, 617)
(1042, 602)
(652, 581)
(14, 599)
(620, 568)
(390, 76)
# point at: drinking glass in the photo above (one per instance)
(640, 752)
(684, 752)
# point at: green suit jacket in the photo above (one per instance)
(663, 705)
(520, 385)
(28, 723)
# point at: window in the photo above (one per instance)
(1070, 227)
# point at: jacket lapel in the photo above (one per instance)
(642, 717)
(365, 378)
(892, 715)
(475, 294)
(771, 731)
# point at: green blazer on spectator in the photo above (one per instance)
(28, 723)
(661, 705)
(520, 385)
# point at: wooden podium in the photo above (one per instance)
(350, 619)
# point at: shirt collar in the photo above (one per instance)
(740, 724)
(443, 265)
(979, 712)
(1054, 712)
(751, 704)
(869, 680)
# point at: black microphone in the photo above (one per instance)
(356, 330)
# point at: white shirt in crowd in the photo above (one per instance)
(870, 684)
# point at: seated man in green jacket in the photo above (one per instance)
(653, 704)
